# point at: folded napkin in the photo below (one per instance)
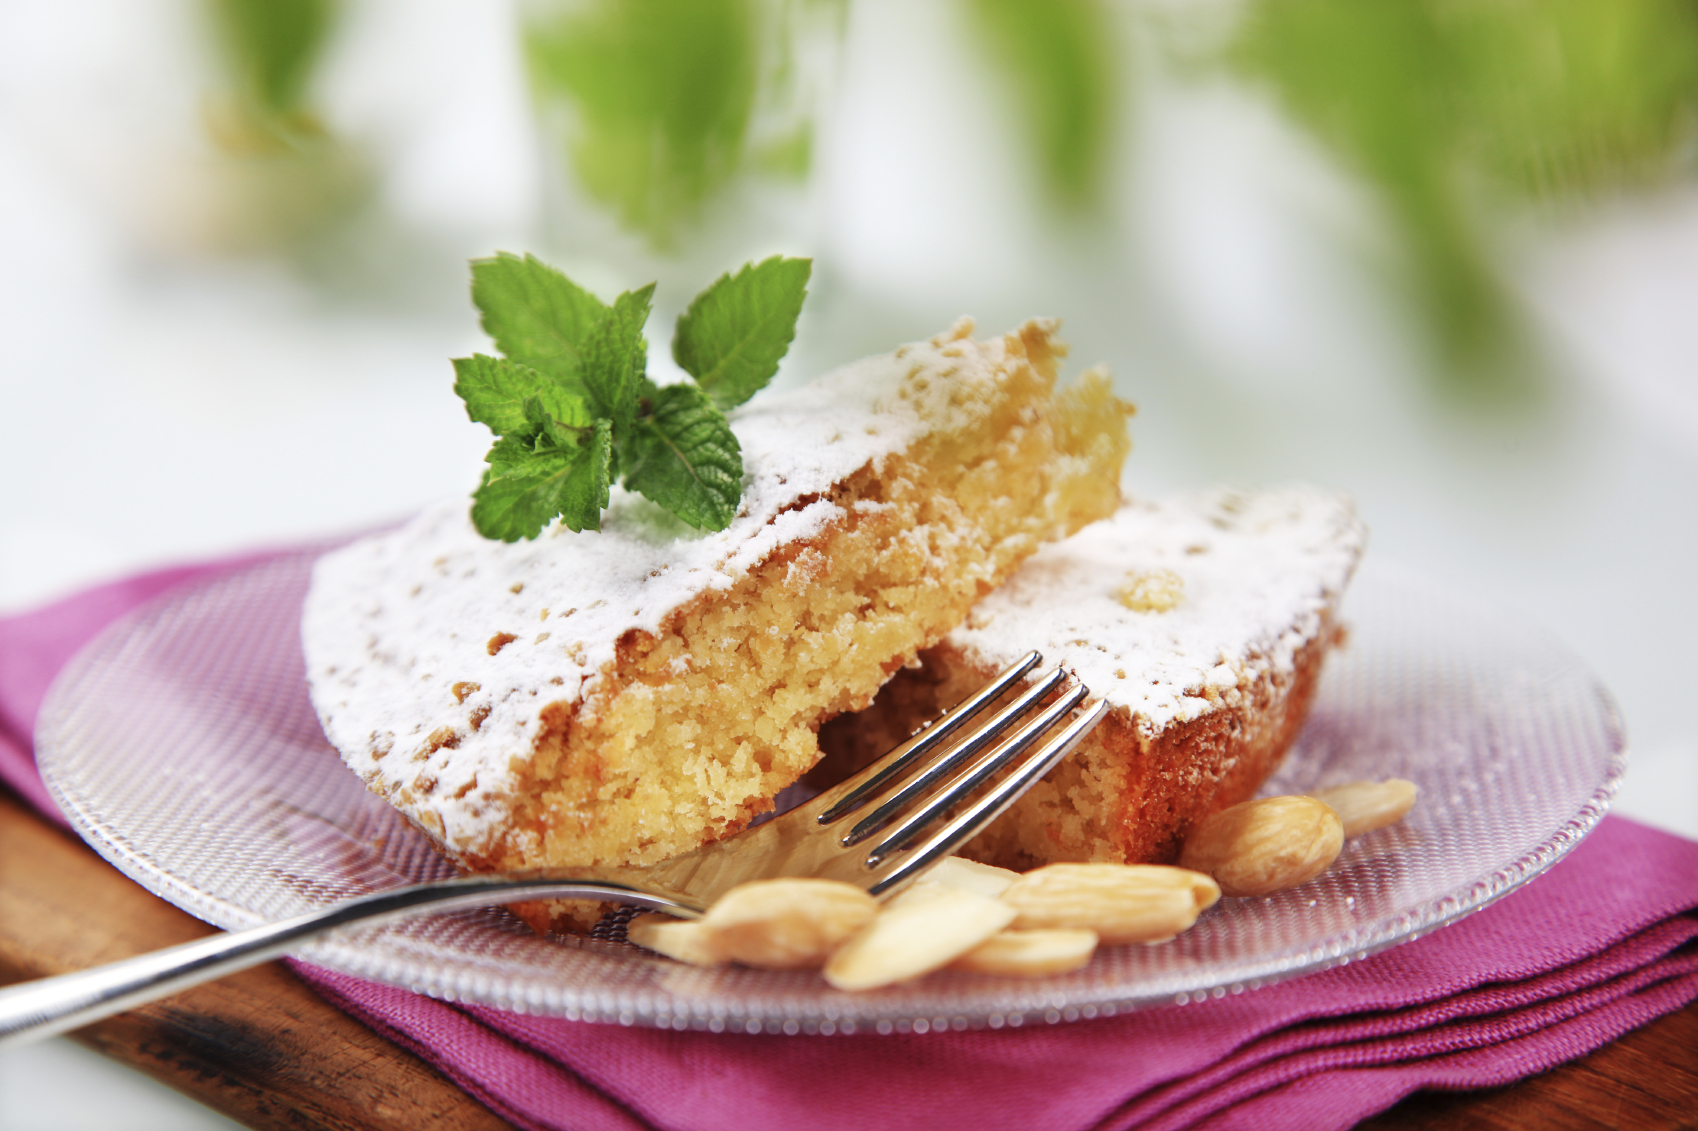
(1602, 942)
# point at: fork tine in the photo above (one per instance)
(870, 782)
(986, 736)
(969, 780)
(992, 805)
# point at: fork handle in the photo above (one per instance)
(49, 1006)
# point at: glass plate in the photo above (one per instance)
(183, 746)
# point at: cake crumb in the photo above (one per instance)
(1151, 591)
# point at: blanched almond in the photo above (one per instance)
(1260, 847)
(926, 927)
(1364, 806)
(684, 939)
(956, 872)
(1122, 903)
(1030, 954)
(785, 923)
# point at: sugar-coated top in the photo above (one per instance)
(1166, 607)
(431, 650)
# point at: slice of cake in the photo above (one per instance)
(625, 696)
(1202, 619)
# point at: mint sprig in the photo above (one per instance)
(573, 409)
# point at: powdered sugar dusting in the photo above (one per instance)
(431, 650)
(1255, 572)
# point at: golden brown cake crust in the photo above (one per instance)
(1209, 674)
(1190, 770)
(1122, 797)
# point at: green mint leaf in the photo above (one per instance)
(535, 314)
(684, 457)
(495, 389)
(647, 391)
(574, 409)
(525, 489)
(616, 356)
(735, 332)
(558, 420)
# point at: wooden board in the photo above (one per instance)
(263, 1049)
(1646, 1081)
(258, 1046)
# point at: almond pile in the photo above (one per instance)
(969, 916)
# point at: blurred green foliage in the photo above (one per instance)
(1454, 108)
(1456, 113)
(272, 48)
(1576, 98)
(663, 94)
(281, 180)
(1060, 61)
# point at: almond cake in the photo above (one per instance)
(625, 696)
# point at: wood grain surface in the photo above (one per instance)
(1646, 1081)
(265, 1050)
(258, 1046)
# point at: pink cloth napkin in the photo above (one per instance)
(1604, 941)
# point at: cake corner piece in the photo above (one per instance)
(625, 696)
(1203, 619)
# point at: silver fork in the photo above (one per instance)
(916, 805)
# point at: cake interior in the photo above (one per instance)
(1126, 795)
(694, 730)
